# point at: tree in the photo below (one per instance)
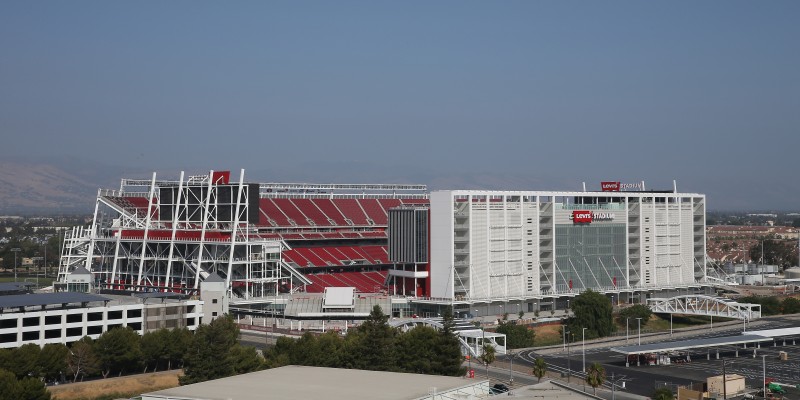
(790, 305)
(118, 350)
(53, 361)
(31, 388)
(595, 376)
(81, 360)
(591, 310)
(662, 394)
(769, 305)
(279, 354)
(154, 348)
(417, 351)
(25, 361)
(179, 341)
(776, 252)
(375, 344)
(329, 350)
(9, 386)
(246, 359)
(517, 336)
(539, 368)
(209, 353)
(488, 356)
(636, 311)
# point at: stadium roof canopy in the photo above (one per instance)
(690, 344)
(774, 333)
(301, 382)
(15, 286)
(47, 299)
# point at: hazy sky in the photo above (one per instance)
(526, 95)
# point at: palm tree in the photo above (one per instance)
(595, 376)
(663, 394)
(539, 368)
(488, 356)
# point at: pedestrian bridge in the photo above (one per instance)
(705, 305)
(471, 337)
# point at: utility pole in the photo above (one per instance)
(569, 361)
(15, 250)
(583, 348)
(639, 320)
(724, 382)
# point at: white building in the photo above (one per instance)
(489, 246)
(67, 317)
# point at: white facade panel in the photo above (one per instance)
(528, 245)
(442, 245)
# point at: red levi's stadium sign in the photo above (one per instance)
(609, 186)
(582, 217)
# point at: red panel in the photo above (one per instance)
(582, 217)
(609, 186)
(221, 177)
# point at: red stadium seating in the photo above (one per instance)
(358, 280)
(415, 201)
(374, 211)
(292, 212)
(268, 208)
(330, 210)
(389, 203)
(352, 211)
(311, 211)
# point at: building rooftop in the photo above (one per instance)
(300, 382)
(47, 299)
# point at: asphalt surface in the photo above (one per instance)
(644, 379)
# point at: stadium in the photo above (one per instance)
(280, 246)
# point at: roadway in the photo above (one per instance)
(642, 380)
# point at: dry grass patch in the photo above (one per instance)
(547, 335)
(123, 386)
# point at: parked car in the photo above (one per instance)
(499, 388)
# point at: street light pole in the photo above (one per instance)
(583, 348)
(724, 382)
(764, 372)
(569, 361)
(15, 250)
(483, 351)
(639, 321)
(626, 329)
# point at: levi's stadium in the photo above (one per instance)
(306, 251)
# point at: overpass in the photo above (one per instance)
(705, 305)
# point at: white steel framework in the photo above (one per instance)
(155, 235)
(705, 305)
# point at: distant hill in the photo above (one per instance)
(62, 186)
